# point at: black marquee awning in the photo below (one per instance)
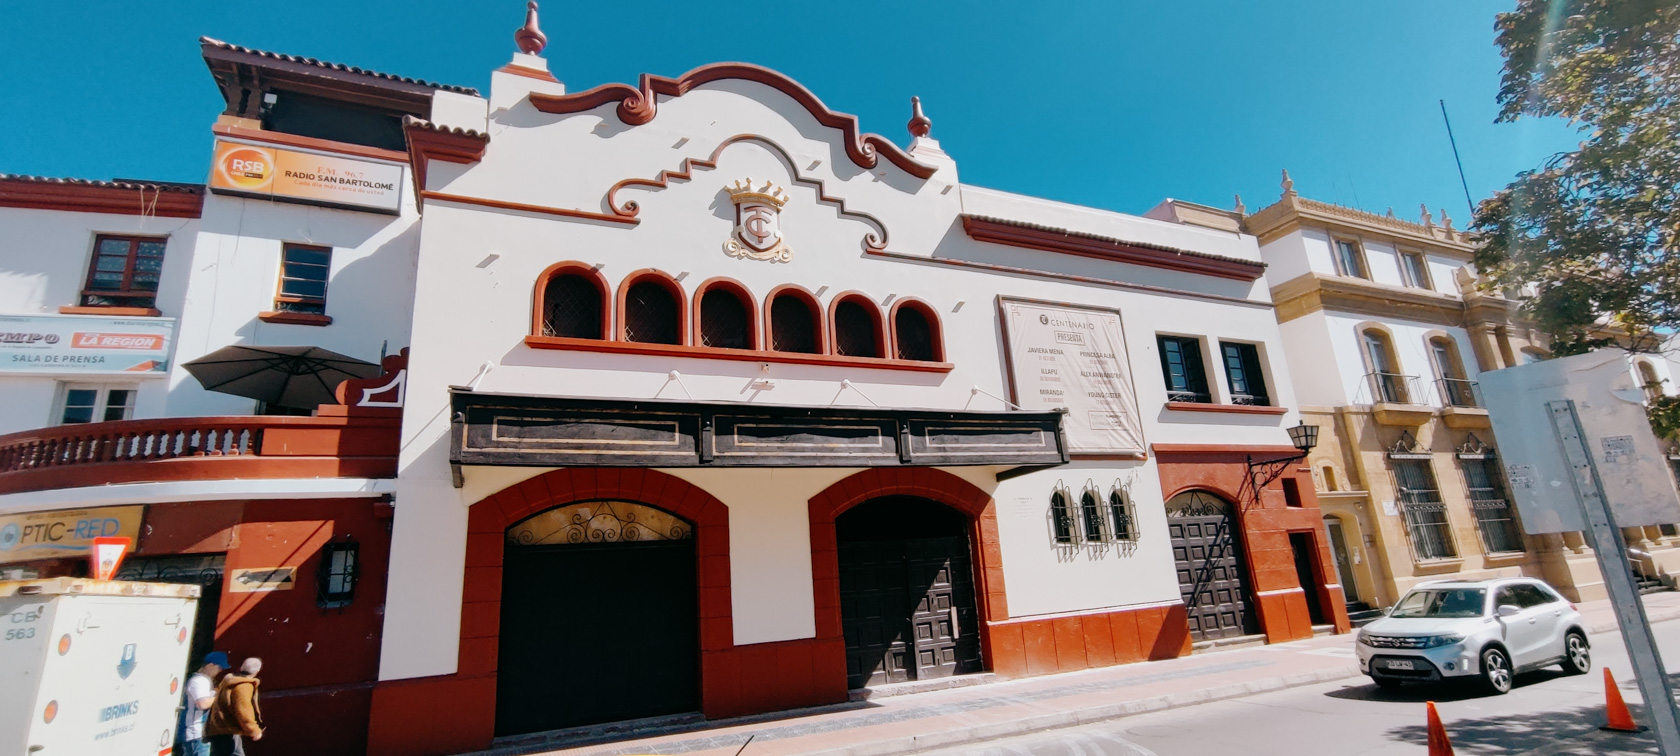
(544, 431)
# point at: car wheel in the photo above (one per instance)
(1577, 657)
(1496, 671)
(1387, 683)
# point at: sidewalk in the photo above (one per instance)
(945, 718)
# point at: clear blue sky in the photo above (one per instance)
(1112, 104)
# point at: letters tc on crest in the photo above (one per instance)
(758, 225)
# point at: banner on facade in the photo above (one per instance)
(289, 175)
(1074, 358)
(84, 345)
(65, 533)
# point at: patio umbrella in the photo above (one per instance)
(287, 376)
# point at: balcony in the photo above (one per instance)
(1395, 399)
(1461, 404)
(342, 442)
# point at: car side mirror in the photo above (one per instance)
(1387, 610)
(1509, 610)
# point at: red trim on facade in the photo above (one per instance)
(747, 300)
(882, 342)
(1235, 409)
(637, 106)
(738, 355)
(111, 312)
(672, 285)
(1265, 523)
(1083, 640)
(308, 143)
(529, 73)
(1011, 270)
(818, 321)
(109, 197)
(934, 324)
(295, 318)
(1116, 250)
(353, 391)
(428, 141)
(924, 482)
(578, 268)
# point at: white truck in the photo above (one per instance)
(91, 667)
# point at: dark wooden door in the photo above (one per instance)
(908, 610)
(1210, 576)
(596, 633)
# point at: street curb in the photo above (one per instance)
(981, 733)
(1612, 626)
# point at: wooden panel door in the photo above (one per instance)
(873, 601)
(944, 621)
(1210, 576)
(908, 611)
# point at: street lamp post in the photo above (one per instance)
(1261, 473)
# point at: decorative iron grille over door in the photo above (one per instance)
(1211, 578)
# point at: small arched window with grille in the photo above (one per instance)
(1091, 516)
(916, 332)
(572, 304)
(794, 325)
(1121, 516)
(857, 327)
(653, 311)
(1061, 516)
(726, 318)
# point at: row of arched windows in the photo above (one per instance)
(574, 301)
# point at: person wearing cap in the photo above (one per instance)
(235, 715)
(201, 694)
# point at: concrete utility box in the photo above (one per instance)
(92, 667)
(1611, 407)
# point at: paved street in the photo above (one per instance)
(1546, 713)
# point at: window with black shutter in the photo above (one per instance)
(651, 314)
(793, 325)
(724, 320)
(913, 335)
(1181, 366)
(1243, 373)
(855, 334)
(572, 308)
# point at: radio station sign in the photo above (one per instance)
(289, 175)
(65, 533)
(1063, 357)
(84, 345)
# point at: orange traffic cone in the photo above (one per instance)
(1615, 710)
(1439, 745)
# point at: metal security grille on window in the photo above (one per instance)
(913, 335)
(572, 308)
(1494, 517)
(1061, 519)
(124, 272)
(723, 321)
(303, 280)
(792, 329)
(1181, 365)
(650, 315)
(854, 331)
(1426, 515)
(1120, 513)
(340, 566)
(1090, 513)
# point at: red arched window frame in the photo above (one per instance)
(937, 328)
(588, 272)
(818, 321)
(663, 279)
(755, 339)
(882, 343)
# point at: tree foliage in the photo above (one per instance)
(1597, 230)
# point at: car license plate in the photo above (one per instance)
(1399, 664)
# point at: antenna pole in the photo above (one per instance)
(1461, 182)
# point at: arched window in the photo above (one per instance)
(651, 309)
(1386, 382)
(1121, 514)
(726, 316)
(857, 327)
(1091, 516)
(1061, 517)
(794, 323)
(916, 332)
(1649, 381)
(1330, 483)
(571, 302)
(1455, 389)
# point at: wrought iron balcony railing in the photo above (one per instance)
(1392, 388)
(1458, 392)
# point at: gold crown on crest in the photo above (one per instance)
(769, 194)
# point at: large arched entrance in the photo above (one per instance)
(599, 617)
(907, 591)
(1212, 578)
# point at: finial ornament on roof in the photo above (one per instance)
(530, 38)
(1288, 184)
(1446, 221)
(1240, 209)
(919, 124)
(1428, 220)
(1391, 211)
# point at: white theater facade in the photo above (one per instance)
(716, 404)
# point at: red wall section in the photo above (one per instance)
(1265, 527)
(1040, 646)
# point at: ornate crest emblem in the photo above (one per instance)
(758, 223)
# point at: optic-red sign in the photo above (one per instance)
(144, 341)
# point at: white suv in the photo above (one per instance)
(1490, 628)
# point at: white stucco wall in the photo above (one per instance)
(1411, 347)
(1317, 370)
